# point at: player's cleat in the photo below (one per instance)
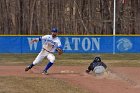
(27, 68)
(45, 72)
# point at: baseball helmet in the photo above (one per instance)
(54, 30)
(97, 59)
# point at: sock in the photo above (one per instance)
(31, 65)
(48, 66)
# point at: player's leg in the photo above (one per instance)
(99, 69)
(51, 59)
(38, 59)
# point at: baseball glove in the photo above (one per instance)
(59, 51)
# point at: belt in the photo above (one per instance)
(46, 50)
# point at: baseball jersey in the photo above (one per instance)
(95, 64)
(49, 43)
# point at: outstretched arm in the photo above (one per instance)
(90, 67)
(36, 40)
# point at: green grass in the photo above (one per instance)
(125, 63)
(36, 85)
(73, 59)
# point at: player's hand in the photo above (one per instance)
(33, 40)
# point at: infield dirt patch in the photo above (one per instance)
(118, 80)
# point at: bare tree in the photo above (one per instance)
(70, 16)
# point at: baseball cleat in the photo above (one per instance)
(45, 72)
(27, 68)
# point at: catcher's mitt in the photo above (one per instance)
(59, 51)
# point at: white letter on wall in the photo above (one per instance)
(96, 42)
(86, 44)
(67, 44)
(76, 43)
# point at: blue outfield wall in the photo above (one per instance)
(74, 44)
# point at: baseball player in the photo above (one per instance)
(97, 66)
(51, 44)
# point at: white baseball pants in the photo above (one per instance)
(43, 53)
(99, 69)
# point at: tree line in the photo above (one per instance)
(74, 17)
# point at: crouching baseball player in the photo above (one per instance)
(52, 43)
(97, 66)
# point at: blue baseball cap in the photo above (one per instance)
(54, 30)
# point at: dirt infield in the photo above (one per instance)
(117, 80)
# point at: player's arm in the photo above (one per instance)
(39, 39)
(59, 48)
(90, 67)
(35, 40)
